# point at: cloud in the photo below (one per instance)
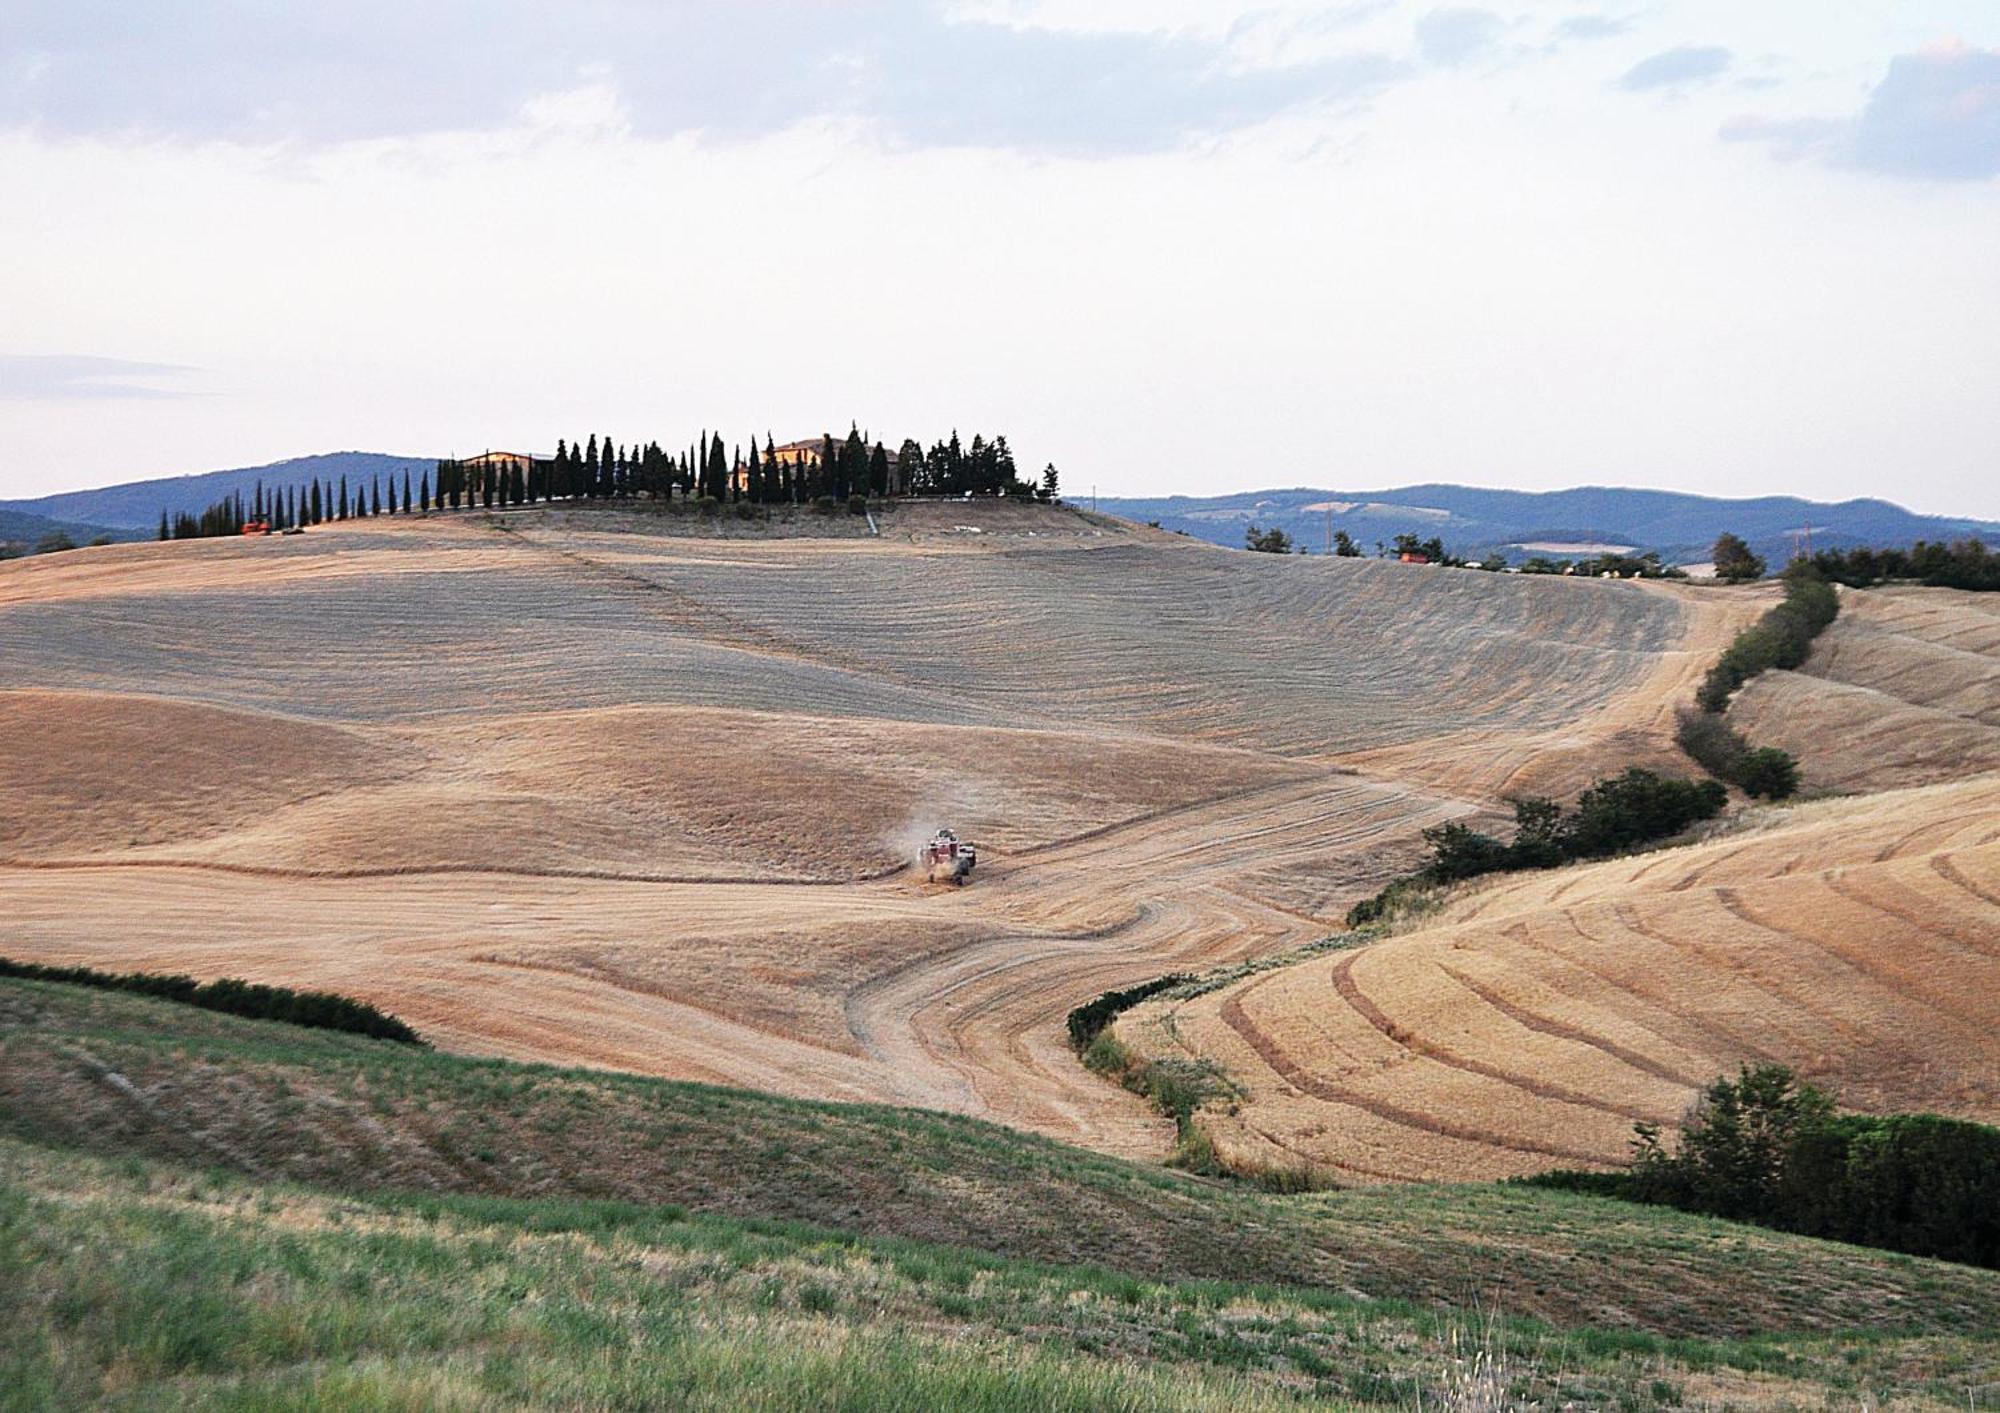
(921, 73)
(1789, 138)
(1456, 34)
(1677, 68)
(38, 377)
(1935, 116)
(1588, 27)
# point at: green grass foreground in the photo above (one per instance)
(268, 1218)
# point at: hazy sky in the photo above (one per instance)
(1172, 246)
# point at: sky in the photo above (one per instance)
(1172, 247)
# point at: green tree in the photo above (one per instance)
(163, 524)
(1051, 486)
(1734, 1143)
(1271, 541)
(1734, 563)
(1344, 546)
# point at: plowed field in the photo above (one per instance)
(1537, 1019)
(564, 789)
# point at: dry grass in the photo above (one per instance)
(1534, 1020)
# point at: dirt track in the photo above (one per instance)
(447, 767)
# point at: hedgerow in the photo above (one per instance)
(319, 1010)
(1623, 812)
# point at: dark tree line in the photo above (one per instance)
(321, 1010)
(1781, 638)
(1613, 816)
(1968, 564)
(710, 472)
(1764, 1148)
(312, 502)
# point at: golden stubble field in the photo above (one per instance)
(555, 787)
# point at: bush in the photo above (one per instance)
(1620, 813)
(319, 1010)
(824, 505)
(857, 505)
(1768, 772)
(1636, 808)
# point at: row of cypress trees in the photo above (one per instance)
(312, 502)
(601, 469)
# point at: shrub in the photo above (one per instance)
(1271, 541)
(824, 505)
(1088, 1021)
(319, 1010)
(1769, 772)
(857, 505)
(1636, 808)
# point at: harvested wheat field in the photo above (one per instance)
(565, 786)
(1533, 1021)
(1903, 689)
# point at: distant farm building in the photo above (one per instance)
(503, 462)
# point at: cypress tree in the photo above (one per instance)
(315, 501)
(426, 492)
(755, 475)
(588, 471)
(408, 504)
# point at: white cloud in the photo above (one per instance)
(1934, 116)
(1677, 68)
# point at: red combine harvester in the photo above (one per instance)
(947, 859)
(256, 527)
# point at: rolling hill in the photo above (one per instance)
(1537, 1017)
(1474, 522)
(136, 505)
(562, 785)
(198, 1210)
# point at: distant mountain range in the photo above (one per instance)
(1470, 520)
(132, 510)
(1475, 522)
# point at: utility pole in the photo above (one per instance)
(1329, 529)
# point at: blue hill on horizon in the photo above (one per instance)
(1475, 521)
(136, 505)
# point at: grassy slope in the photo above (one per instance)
(477, 1251)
